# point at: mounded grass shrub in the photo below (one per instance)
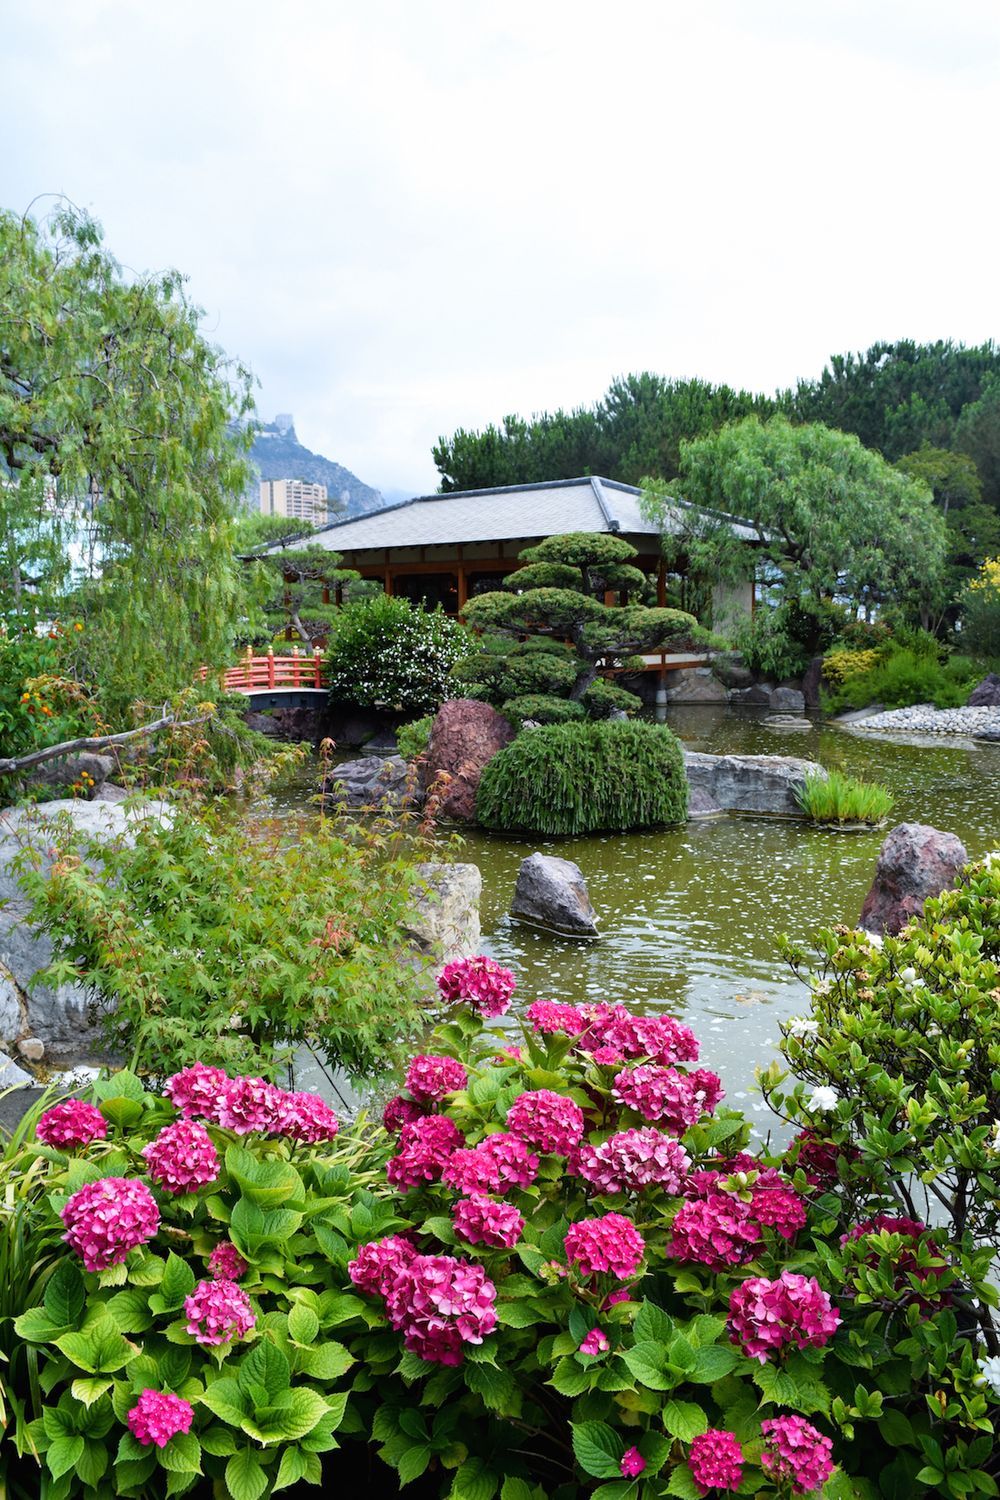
(844, 799)
(585, 778)
(543, 708)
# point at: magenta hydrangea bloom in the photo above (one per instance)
(439, 1304)
(182, 1158)
(480, 1221)
(709, 1180)
(197, 1091)
(632, 1463)
(250, 1104)
(483, 983)
(818, 1158)
(766, 1317)
(377, 1264)
(431, 1077)
(716, 1232)
(399, 1112)
(424, 1147)
(794, 1451)
(555, 1019)
(611, 1243)
(547, 1120)
(106, 1219)
(707, 1088)
(779, 1208)
(218, 1312)
(159, 1416)
(632, 1160)
(73, 1122)
(306, 1117)
(516, 1165)
(613, 1029)
(596, 1342)
(471, 1170)
(716, 1460)
(661, 1095)
(226, 1263)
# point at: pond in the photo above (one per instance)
(690, 917)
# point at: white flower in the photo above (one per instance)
(993, 858)
(802, 1026)
(874, 939)
(990, 1371)
(823, 1099)
(993, 1144)
(908, 975)
(822, 987)
(236, 1021)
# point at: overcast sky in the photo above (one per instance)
(409, 217)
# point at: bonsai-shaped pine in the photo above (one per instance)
(298, 588)
(565, 634)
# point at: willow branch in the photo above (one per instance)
(96, 742)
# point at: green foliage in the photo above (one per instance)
(977, 433)
(981, 611)
(386, 651)
(568, 779)
(412, 739)
(232, 941)
(910, 668)
(781, 639)
(87, 1344)
(40, 702)
(602, 698)
(115, 431)
(542, 709)
(836, 798)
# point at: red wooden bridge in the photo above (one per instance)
(298, 674)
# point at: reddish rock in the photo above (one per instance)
(915, 862)
(464, 736)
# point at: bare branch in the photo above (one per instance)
(95, 742)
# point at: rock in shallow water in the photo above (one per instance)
(552, 893)
(750, 783)
(914, 862)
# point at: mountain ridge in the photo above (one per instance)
(276, 453)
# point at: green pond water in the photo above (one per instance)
(689, 917)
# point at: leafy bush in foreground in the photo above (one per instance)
(385, 651)
(836, 798)
(584, 778)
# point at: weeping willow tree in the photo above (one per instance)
(121, 460)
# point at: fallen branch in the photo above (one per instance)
(95, 742)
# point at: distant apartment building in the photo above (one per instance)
(295, 498)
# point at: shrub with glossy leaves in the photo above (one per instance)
(386, 651)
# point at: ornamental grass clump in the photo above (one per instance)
(835, 798)
(568, 779)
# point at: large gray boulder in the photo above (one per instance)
(749, 783)
(445, 919)
(57, 1017)
(374, 781)
(987, 693)
(757, 696)
(787, 700)
(695, 685)
(552, 893)
(914, 862)
(74, 770)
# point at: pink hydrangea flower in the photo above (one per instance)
(606, 1056)
(709, 1180)
(632, 1160)
(471, 1170)
(218, 1312)
(510, 1054)
(547, 1120)
(595, 1343)
(431, 1077)
(439, 1304)
(611, 1243)
(73, 1122)
(182, 1158)
(486, 985)
(424, 1147)
(716, 1460)
(614, 1029)
(250, 1104)
(197, 1091)
(716, 1232)
(818, 1158)
(766, 1317)
(779, 1208)
(226, 1263)
(661, 1095)
(377, 1264)
(159, 1416)
(106, 1219)
(795, 1451)
(554, 1018)
(516, 1165)
(613, 1299)
(482, 1222)
(399, 1112)
(632, 1463)
(306, 1117)
(708, 1089)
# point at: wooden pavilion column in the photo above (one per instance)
(661, 585)
(463, 584)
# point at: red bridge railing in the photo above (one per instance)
(257, 674)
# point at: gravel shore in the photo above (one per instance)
(924, 718)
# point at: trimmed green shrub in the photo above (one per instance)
(543, 708)
(585, 778)
(386, 651)
(903, 675)
(603, 696)
(412, 739)
(844, 799)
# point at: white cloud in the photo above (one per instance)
(413, 216)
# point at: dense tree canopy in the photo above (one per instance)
(117, 458)
(830, 515)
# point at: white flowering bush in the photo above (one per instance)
(388, 652)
